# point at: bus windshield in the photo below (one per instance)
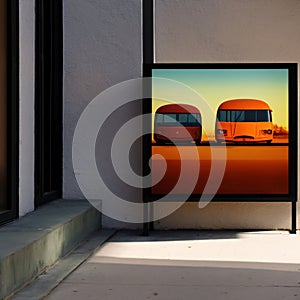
(184, 119)
(244, 116)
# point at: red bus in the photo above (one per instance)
(244, 120)
(166, 126)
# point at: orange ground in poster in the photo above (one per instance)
(249, 169)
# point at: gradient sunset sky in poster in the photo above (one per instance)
(219, 85)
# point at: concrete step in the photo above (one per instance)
(31, 244)
(50, 279)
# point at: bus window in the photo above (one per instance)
(264, 116)
(169, 118)
(222, 115)
(194, 118)
(183, 118)
(159, 118)
(244, 116)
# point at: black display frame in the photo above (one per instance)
(149, 63)
(293, 133)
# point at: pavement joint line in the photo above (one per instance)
(50, 278)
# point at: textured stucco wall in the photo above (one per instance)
(26, 167)
(228, 31)
(102, 47)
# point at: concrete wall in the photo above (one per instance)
(228, 31)
(102, 47)
(26, 167)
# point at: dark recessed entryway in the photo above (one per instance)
(48, 101)
(9, 104)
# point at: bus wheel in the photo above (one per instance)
(197, 142)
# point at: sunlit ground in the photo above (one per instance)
(176, 265)
(182, 245)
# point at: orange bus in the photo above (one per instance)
(166, 127)
(244, 120)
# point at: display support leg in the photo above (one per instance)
(151, 224)
(294, 217)
(146, 220)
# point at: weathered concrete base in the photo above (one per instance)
(33, 243)
(50, 279)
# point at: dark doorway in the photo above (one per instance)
(48, 101)
(9, 109)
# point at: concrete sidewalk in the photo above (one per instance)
(189, 265)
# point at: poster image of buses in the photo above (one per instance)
(250, 117)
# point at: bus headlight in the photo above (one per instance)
(266, 131)
(222, 131)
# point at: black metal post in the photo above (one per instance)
(148, 51)
(294, 217)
